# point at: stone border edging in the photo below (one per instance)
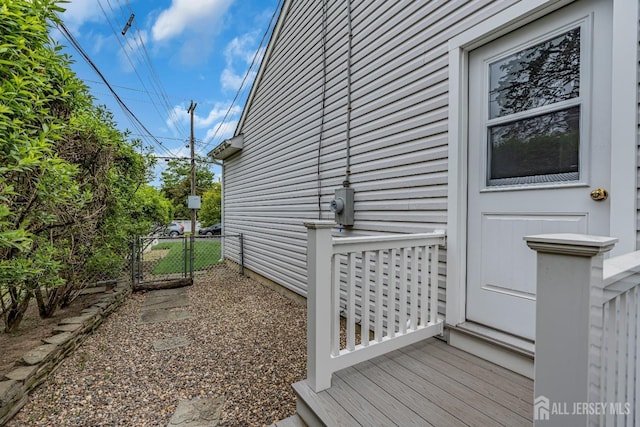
(36, 365)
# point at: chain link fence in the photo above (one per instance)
(163, 259)
(76, 279)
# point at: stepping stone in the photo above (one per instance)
(169, 301)
(155, 316)
(170, 343)
(167, 292)
(197, 412)
(165, 305)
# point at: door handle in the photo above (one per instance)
(599, 194)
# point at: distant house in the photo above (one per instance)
(490, 120)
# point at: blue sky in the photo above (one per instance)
(175, 51)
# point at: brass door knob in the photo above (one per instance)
(599, 194)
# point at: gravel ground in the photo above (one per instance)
(247, 345)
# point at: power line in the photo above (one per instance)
(131, 62)
(163, 137)
(146, 59)
(132, 117)
(246, 76)
(154, 73)
(133, 89)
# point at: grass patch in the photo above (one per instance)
(206, 253)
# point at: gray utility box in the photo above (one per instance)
(342, 206)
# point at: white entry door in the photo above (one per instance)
(539, 127)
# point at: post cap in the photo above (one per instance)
(571, 244)
(320, 224)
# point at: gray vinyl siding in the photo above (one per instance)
(399, 100)
(638, 160)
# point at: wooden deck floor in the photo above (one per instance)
(429, 383)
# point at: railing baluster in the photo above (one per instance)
(379, 295)
(351, 301)
(621, 349)
(636, 360)
(633, 387)
(433, 285)
(402, 317)
(610, 361)
(335, 309)
(414, 288)
(391, 295)
(388, 300)
(424, 286)
(364, 329)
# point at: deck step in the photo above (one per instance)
(428, 383)
(320, 409)
(292, 421)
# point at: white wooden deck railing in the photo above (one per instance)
(386, 285)
(587, 366)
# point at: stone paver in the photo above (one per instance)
(162, 302)
(71, 327)
(58, 339)
(197, 413)
(38, 354)
(77, 319)
(155, 316)
(170, 343)
(164, 293)
(165, 305)
(21, 373)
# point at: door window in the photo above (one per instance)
(534, 113)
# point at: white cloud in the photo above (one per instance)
(239, 50)
(79, 12)
(216, 113)
(189, 16)
(230, 80)
(221, 131)
(179, 115)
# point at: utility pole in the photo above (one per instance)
(192, 108)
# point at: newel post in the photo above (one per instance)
(319, 250)
(568, 267)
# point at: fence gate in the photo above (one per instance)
(160, 261)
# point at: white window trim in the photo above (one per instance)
(624, 127)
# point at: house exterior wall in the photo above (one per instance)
(638, 158)
(295, 128)
(294, 156)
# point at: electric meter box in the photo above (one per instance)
(193, 202)
(342, 206)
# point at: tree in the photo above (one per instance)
(176, 183)
(68, 178)
(150, 209)
(211, 210)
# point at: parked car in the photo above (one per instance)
(212, 230)
(174, 230)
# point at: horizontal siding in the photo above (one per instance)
(399, 111)
(638, 162)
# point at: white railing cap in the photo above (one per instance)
(620, 267)
(319, 224)
(570, 243)
(388, 241)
